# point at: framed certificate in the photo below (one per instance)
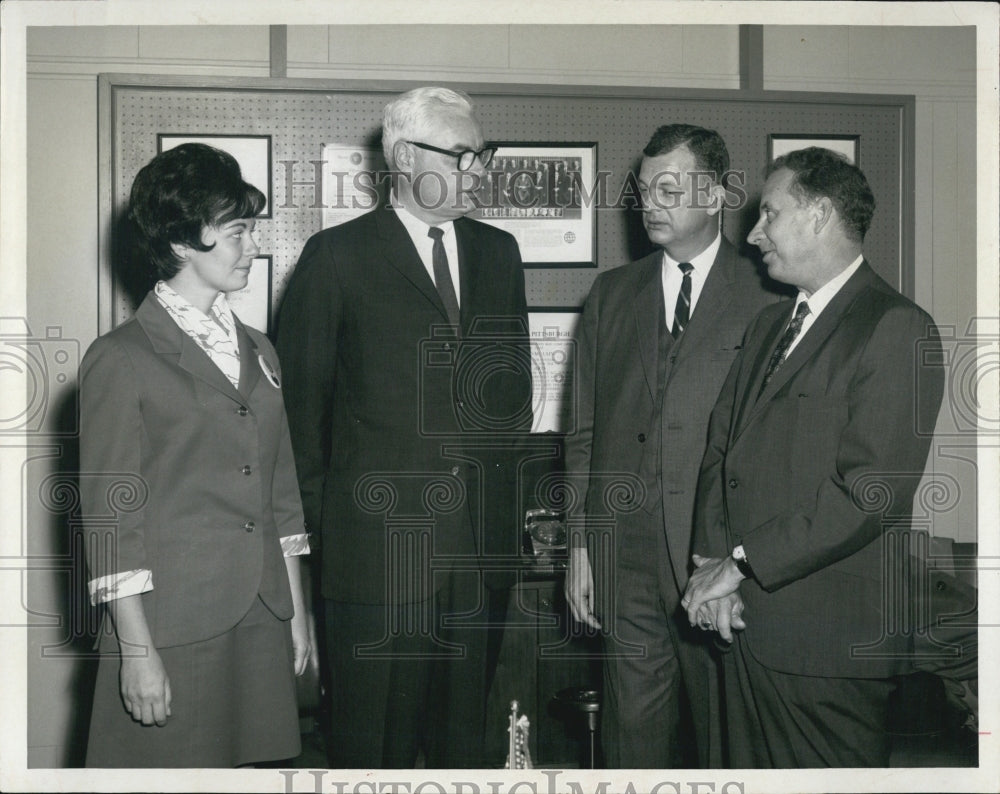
(543, 194)
(553, 369)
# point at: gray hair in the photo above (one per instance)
(410, 114)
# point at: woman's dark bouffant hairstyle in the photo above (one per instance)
(183, 190)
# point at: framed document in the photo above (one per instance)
(351, 177)
(543, 194)
(553, 369)
(780, 143)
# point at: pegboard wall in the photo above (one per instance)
(300, 116)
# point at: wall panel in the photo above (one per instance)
(303, 115)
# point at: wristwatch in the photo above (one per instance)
(742, 563)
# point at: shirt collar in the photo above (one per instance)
(701, 263)
(416, 227)
(821, 297)
(220, 310)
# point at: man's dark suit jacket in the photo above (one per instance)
(618, 360)
(385, 434)
(809, 477)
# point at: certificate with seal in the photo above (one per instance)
(351, 175)
(544, 194)
(553, 369)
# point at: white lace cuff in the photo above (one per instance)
(120, 585)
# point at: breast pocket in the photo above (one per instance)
(815, 434)
(726, 354)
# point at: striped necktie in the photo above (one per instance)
(682, 311)
(778, 356)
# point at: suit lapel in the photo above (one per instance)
(815, 337)
(171, 342)
(715, 298)
(249, 367)
(399, 252)
(759, 365)
(471, 268)
(647, 306)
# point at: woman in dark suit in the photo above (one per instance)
(182, 404)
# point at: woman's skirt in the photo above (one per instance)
(233, 702)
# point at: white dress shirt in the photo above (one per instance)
(820, 299)
(672, 277)
(417, 229)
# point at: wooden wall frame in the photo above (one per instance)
(738, 110)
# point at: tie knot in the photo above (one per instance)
(686, 267)
(435, 233)
(801, 310)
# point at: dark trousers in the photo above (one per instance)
(661, 698)
(782, 721)
(410, 678)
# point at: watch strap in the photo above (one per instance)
(742, 563)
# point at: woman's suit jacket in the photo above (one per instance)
(218, 478)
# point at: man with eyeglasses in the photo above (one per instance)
(403, 340)
(656, 340)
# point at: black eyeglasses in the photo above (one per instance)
(466, 157)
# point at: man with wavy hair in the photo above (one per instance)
(806, 487)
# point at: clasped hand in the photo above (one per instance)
(712, 599)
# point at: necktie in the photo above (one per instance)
(682, 311)
(778, 356)
(442, 275)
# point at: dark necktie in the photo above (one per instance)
(682, 311)
(778, 356)
(442, 276)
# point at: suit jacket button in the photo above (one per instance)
(454, 471)
(733, 484)
(247, 470)
(641, 438)
(242, 410)
(249, 526)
